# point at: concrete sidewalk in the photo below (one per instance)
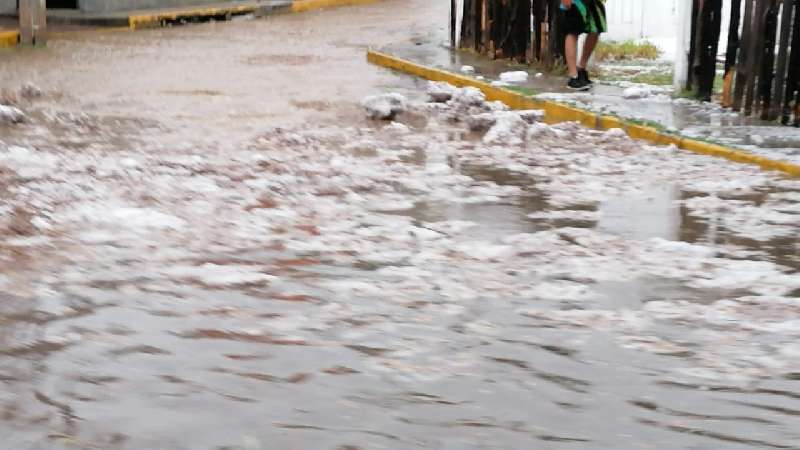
(654, 105)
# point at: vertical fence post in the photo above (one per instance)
(708, 40)
(538, 9)
(793, 77)
(483, 20)
(696, 43)
(32, 22)
(765, 78)
(555, 33)
(754, 50)
(742, 72)
(783, 51)
(26, 22)
(731, 53)
(684, 34)
(470, 25)
(523, 21)
(453, 15)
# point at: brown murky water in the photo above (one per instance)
(178, 273)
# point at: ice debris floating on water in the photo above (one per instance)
(440, 92)
(469, 96)
(467, 69)
(636, 92)
(469, 105)
(616, 133)
(385, 106)
(508, 128)
(406, 223)
(532, 115)
(10, 114)
(481, 122)
(128, 217)
(518, 76)
(30, 91)
(220, 275)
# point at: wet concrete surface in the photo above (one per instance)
(707, 121)
(207, 246)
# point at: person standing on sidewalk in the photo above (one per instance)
(582, 16)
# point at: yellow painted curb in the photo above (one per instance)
(707, 148)
(9, 38)
(557, 112)
(609, 122)
(307, 5)
(493, 93)
(155, 19)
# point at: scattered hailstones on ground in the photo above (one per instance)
(372, 198)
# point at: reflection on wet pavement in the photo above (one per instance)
(357, 285)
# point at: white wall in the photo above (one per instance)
(631, 19)
(657, 22)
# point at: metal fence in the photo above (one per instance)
(762, 61)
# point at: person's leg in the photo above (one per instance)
(588, 48)
(571, 54)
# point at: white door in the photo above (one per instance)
(625, 19)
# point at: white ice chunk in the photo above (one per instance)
(9, 114)
(518, 76)
(384, 107)
(440, 92)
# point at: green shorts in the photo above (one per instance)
(585, 16)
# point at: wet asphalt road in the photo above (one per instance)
(207, 246)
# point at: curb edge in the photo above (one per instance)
(9, 38)
(558, 112)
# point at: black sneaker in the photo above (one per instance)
(583, 75)
(576, 84)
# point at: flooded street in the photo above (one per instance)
(207, 245)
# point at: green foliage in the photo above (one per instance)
(523, 90)
(618, 51)
(646, 123)
(656, 78)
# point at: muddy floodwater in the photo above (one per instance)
(207, 245)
